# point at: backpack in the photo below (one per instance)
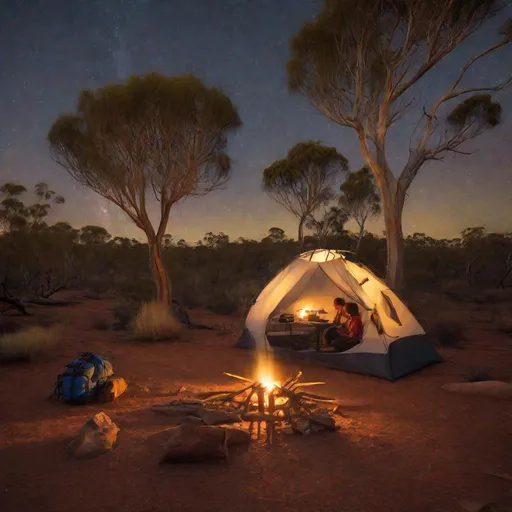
(83, 378)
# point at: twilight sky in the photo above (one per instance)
(51, 49)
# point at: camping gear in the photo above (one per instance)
(82, 378)
(286, 318)
(393, 345)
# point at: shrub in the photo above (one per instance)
(154, 321)
(448, 334)
(29, 343)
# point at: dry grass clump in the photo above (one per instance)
(155, 322)
(29, 343)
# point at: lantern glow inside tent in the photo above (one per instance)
(393, 345)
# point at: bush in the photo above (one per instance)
(29, 343)
(154, 321)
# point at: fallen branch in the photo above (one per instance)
(238, 377)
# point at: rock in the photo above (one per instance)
(112, 389)
(97, 436)
(286, 430)
(324, 421)
(302, 426)
(489, 388)
(191, 443)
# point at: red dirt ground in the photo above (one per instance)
(404, 446)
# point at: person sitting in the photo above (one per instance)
(339, 320)
(350, 334)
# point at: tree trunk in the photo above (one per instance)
(301, 234)
(163, 288)
(393, 205)
(359, 239)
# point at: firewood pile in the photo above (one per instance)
(284, 407)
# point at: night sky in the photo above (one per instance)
(51, 49)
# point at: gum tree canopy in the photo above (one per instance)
(302, 182)
(150, 137)
(358, 63)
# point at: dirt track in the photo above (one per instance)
(405, 446)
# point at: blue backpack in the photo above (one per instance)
(83, 378)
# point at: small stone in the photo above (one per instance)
(287, 430)
(302, 426)
(324, 420)
(96, 437)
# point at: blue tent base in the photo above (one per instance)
(405, 356)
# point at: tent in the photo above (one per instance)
(394, 344)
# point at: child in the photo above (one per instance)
(331, 332)
(351, 333)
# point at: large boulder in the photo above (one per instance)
(96, 437)
(192, 443)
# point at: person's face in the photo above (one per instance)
(337, 307)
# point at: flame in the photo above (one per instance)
(265, 372)
(267, 382)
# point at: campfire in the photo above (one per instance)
(282, 406)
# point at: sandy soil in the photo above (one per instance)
(404, 446)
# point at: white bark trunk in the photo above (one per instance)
(393, 204)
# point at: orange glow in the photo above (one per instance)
(303, 313)
(267, 382)
(265, 372)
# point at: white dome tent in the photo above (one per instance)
(394, 344)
